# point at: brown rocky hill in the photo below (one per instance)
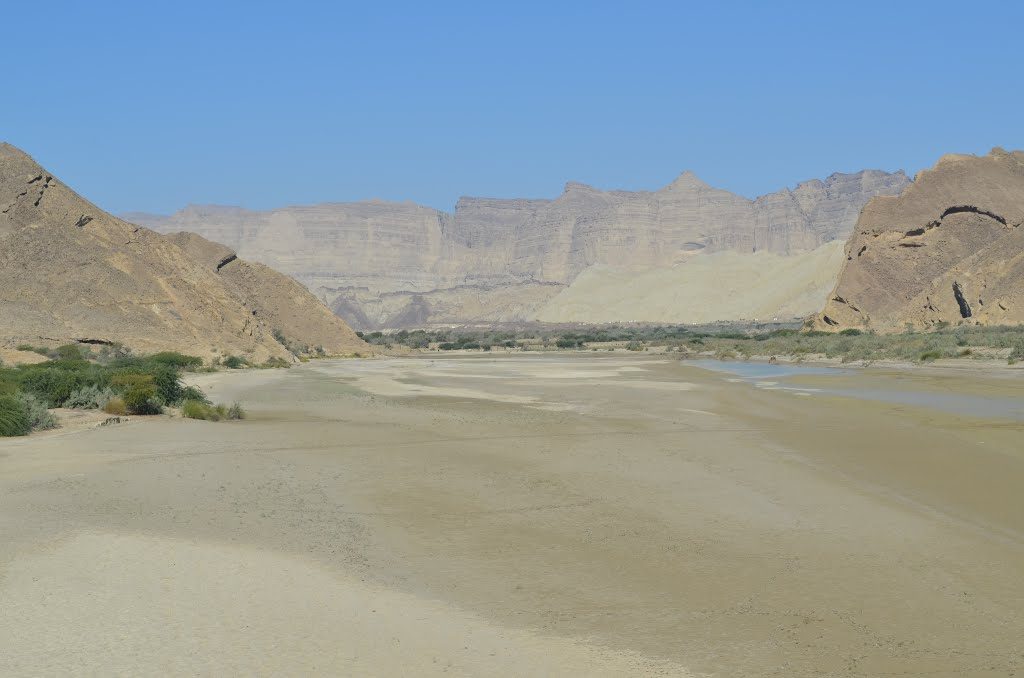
(949, 249)
(69, 272)
(383, 264)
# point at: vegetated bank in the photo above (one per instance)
(110, 379)
(998, 344)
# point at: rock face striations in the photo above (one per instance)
(71, 272)
(949, 249)
(381, 264)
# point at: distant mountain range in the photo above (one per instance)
(690, 252)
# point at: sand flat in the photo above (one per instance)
(714, 529)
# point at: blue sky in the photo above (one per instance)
(150, 106)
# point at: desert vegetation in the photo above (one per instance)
(731, 341)
(110, 379)
(203, 409)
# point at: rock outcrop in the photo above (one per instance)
(71, 272)
(948, 250)
(381, 264)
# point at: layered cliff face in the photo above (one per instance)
(70, 272)
(949, 249)
(383, 264)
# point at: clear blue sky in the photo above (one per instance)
(150, 106)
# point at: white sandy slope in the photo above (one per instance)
(704, 288)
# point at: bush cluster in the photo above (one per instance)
(298, 349)
(234, 362)
(14, 420)
(39, 416)
(91, 397)
(198, 409)
(22, 413)
(730, 340)
(75, 377)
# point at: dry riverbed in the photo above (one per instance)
(527, 515)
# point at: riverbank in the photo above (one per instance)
(521, 514)
(985, 345)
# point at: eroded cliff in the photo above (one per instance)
(948, 250)
(380, 264)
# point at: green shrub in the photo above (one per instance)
(168, 384)
(39, 417)
(929, 356)
(193, 393)
(53, 385)
(69, 352)
(14, 419)
(142, 399)
(123, 381)
(195, 409)
(850, 332)
(635, 345)
(175, 360)
(165, 378)
(90, 397)
(234, 362)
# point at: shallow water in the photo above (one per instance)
(879, 387)
(956, 403)
(763, 370)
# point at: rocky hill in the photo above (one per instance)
(70, 272)
(949, 249)
(380, 264)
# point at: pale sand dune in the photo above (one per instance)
(705, 288)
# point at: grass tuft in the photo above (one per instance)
(116, 406)
(14, 420)
(195, 409)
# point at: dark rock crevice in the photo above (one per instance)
(958, 293)
(955, 209)
(226, 260)
(840, 300)
(42, 191)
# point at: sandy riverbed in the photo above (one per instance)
(525, 515)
